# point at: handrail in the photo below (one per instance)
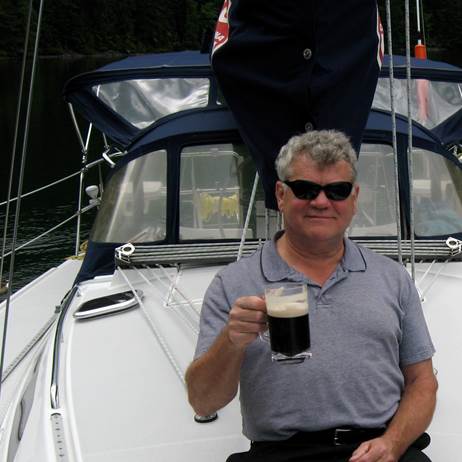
(54, 389)
(141, 255)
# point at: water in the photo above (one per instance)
(53, 152)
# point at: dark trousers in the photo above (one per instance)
(287, 451)
(289, 66)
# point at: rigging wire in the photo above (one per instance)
(420, 22)
(393, 124)
(15, 139)
(424, 35)
(21, 171)
(247, 218)
(410, 163)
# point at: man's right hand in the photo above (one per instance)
(213, 378)
(247, 319)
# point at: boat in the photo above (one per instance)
(95, 371)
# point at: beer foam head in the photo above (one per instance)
(286, 306)
(287, 309)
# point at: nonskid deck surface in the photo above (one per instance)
(122, 375)
(442, 307)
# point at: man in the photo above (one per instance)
(368, 392)
(313, 64)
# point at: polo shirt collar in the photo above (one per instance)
(275, 269)
(353, 258)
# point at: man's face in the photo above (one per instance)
(320, 219)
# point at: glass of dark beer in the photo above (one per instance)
(288, 321)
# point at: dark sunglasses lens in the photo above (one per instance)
(305, 190)
(338, 191)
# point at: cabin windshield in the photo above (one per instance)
(431, 102)
(437, 190)
(215, 186)
(141, 102)
(376, 215)
(437, 195)
(216, 183)
(134, 203)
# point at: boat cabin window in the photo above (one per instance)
(134, 202)
(437, 195)
(431, 102)
(215, 186)
(376, 214)
(144, 101)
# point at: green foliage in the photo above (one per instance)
(13, 19)
(101, 26)
(442, 19)
(139, 26)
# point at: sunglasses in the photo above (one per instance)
(308, 190)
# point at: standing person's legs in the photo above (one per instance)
(290, 66)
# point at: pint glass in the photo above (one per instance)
(288, 321)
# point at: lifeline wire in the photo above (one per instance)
(21, 179)
(54, 183)
(393, 123)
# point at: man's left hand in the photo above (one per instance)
(376, 450)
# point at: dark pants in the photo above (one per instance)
(287, 66)
(287, 451)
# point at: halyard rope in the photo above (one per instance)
(179, 312)
(159, 337)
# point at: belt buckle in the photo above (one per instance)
(338, 432)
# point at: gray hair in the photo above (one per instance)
(324, 147)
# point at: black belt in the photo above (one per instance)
(338, 436)
(332, 436)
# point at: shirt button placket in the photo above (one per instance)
(307, 55)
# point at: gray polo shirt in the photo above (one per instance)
(365, 322)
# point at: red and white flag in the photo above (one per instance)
(222, 28)
(381, 44)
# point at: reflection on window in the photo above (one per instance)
(215, 187)
(431, 102)
(438, 195)
(134, 202)
(376, 214)
(143, 101)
